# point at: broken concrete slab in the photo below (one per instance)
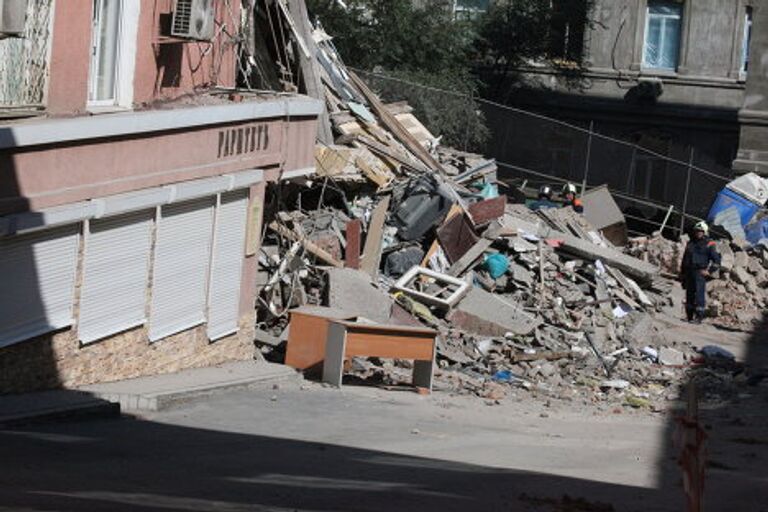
(741, 276)
(486, 314)
(671, 357)
(640, 270)
(352, 290)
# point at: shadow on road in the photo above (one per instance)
(733, 412)
(131, 464)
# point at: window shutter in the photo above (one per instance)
(182, 254)
(115, 273)
(38, 282)
(227, 265)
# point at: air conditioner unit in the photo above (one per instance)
(193, 19)
(13, 14)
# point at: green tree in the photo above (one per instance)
(422, 44)
(515, 33)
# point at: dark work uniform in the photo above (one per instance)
(542, 204)
(700, 255)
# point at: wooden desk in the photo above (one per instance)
(349, 339)
(308, 334)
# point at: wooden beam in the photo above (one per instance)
(396, 127)
(373, 239)
(312, 248)
(354, 228)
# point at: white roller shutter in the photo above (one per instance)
(38, 280)
(115, 274)
(182, 254)
(227, 265)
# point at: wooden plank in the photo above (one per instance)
(397, 129)
(484, 212)
(469, 257)
(393, 345)
(382, 150)
(354, 228)
(312, 248)
(307, 335)
(456, 237)
(373, 239)
(310, 67)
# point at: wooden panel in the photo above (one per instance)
(488, 210)
(307, 336)
(456, 237)
(306, 341)
(354, 228)
(390, 345)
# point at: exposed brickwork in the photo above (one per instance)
(59, 360)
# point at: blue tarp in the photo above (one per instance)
(757, 231)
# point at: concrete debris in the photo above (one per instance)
(564, 310)
(737, 295)
(671, 357)
(485, 314)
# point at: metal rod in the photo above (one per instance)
(687, 187)
(666, 219)
(589, 155)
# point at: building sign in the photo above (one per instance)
(243, 140)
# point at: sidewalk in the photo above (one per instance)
(142, 394)
(162, 391)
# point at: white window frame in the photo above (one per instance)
(126, 58)
(678, 18)
(745, 40)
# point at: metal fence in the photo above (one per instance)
(653, 189)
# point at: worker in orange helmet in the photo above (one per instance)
(570, 199)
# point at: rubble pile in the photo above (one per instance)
(396, 229)
(738, 294)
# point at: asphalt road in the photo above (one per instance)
(310, 448)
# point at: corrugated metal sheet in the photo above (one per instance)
(38, 280)
(115, 274)
(227, 264)
(182, 254)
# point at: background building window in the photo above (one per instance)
(566, 32)
(105, 51)
(662, 35)
(745, 40)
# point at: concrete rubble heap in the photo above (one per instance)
(738, 294)
(549, 304)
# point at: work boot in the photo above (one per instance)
(699, 316)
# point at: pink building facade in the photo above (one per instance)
(131, 193)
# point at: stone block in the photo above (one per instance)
(671, 357)
(741, 276)
(740, 259)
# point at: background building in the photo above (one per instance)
(673, 77)
(132, 179)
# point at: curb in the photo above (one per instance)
(102, 409)
(154, 402)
